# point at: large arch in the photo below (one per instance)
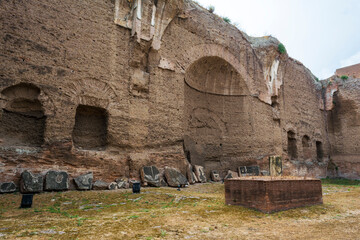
(198, 52)
(216, 100)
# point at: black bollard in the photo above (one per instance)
(136, 187)
(26, 201)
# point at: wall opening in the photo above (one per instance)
(90, 129)
(22, 120)
(319, 151)
(306, 147)
(292, 148)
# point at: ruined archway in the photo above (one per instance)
(216, 109)
(22, 120)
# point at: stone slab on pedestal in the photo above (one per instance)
(275, 166)
(268, 194)
(56, 181)
(31, 182)
(100, 185)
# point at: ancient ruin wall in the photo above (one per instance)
(142, 77)
(344, 127)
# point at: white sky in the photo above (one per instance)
(322, 34)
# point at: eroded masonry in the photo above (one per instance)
(111, 86)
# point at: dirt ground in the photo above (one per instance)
(197, 212)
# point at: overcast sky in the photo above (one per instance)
(322, 34)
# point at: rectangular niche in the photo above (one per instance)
(90, 130)
(319, 150)
(292, 147)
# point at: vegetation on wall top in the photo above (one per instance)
(281, 48)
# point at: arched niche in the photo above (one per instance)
(215, 99)
(22, 120)
(217, 76)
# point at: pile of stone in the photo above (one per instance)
(150, 176)
(57, 181)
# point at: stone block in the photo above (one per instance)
(249, 171)
(150, 175)
(175, 178)
(121, 183)
(113, 186)
(100, 185)
(31, 182)
(56, 181)
(200, 173)
(7, 187)
(215, 176)
(231, 174)
(84, 182)
(191, 177)
(269, 194)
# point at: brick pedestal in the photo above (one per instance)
(271, 195)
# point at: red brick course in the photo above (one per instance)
(351, 71)
(268, 195)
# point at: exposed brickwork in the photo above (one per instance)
(350, 71)
(268, 195)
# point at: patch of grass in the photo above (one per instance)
(226, 19)
(163, 233)
(281, 48)
(133, 217)
(344, 77)
(340, 181)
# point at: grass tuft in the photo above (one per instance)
(281, 48)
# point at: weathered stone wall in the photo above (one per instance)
(162, 78)
(344, 127)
